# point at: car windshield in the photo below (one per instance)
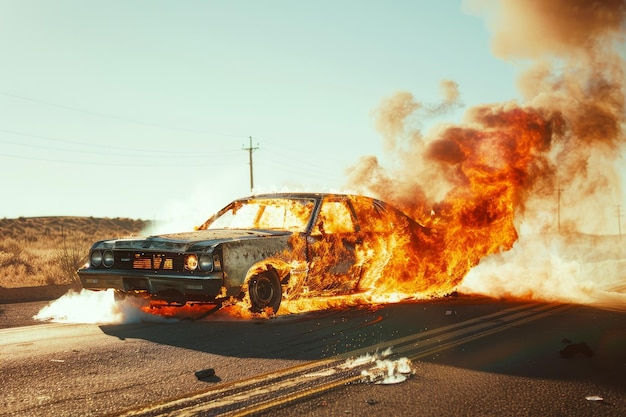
(291, 214)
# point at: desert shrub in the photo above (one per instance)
(14, 259)
(18, 274)
(69, 258)
(49, 250)
(6, 259)
(70, 254)
(11, 247)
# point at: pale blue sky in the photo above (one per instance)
(141, 108)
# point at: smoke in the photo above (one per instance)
(536, 29)
(549, 268)
(94, 307)
(574, 50)
(547, 165)
(398, 119)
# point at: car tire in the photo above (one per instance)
(265, 291)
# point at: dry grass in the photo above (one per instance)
(37, 251)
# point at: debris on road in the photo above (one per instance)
(594, 398)
(572, 349)
(384, 371)
(389, 372)
(205, 373)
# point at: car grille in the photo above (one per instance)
(149, 261)
(142, 263)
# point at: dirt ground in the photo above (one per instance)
(28, 294)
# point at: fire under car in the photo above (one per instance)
(264, 248)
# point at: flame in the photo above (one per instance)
(179, 312)
(509, 166)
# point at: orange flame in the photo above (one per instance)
(476, 183)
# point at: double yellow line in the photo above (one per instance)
(268, 391)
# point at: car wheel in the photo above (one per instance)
(265, 291)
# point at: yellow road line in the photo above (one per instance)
(290, 380)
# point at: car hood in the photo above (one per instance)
(190, 241)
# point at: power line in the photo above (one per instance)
(137, 152)
(117, 163)
(325, 155)
(285, 165)
(312, 151)
(112, 117)
(147, 152)
(143, 151)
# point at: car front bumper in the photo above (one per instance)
(166, 287)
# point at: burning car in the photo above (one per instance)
(265, 248)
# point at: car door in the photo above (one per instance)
(332, 249)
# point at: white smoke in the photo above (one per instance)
(95, 307)
(549, 268)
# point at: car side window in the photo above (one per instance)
(334, 217)
(372, 216)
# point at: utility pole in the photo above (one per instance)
(619, 220)
(250, 149)
(558, 211)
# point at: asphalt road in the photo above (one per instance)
(470, 356)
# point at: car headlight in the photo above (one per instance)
(96, 258)
(191, 262)
(108, 258)
(206, 263)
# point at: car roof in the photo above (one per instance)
(301, 194)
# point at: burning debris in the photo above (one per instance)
(383, 371)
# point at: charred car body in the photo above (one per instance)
(265, 247)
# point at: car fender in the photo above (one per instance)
(279, 266)
(241, 259)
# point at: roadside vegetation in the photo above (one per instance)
(38, 251)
